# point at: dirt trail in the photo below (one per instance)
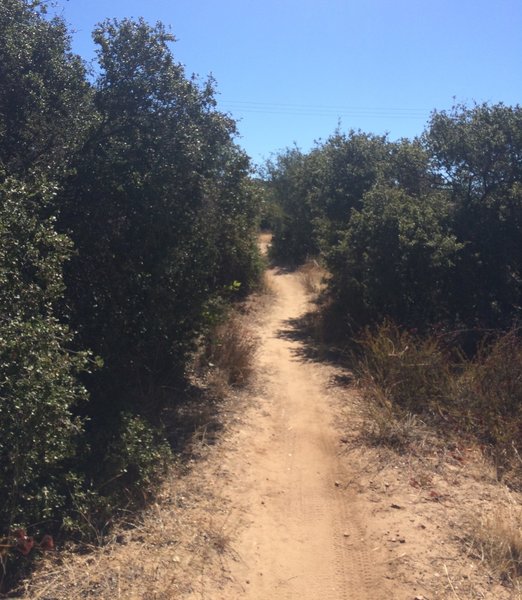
(301, 535)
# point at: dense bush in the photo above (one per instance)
(38, 384)
(127, 216)
(395, 260)
(477, 153)
(290, 181)
(170, 216)
(43, 97)
(425, 231)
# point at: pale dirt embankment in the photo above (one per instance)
(289, 504)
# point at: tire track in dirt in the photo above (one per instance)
(300, 535)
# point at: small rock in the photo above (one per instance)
(337, 483)
(395, 506)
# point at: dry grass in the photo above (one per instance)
(231, 351)
(437, 412)
(314, 277)
(491, 390)
(496, 540)
(412, 374)
(382, 426)
(161, 557)
(403, 374)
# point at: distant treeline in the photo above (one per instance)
(425, 232)
(127, 221)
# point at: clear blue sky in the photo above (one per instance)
(290, 70)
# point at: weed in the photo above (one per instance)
(403, 374)
(383, 427)
(497, 540)
(313, 277)
(230, 350)
(411, 374)
(491, 390)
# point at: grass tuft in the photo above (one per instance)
(313, 277)
(231, 350)
(408, 379)
(497, 541)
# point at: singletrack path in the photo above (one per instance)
(301, 536)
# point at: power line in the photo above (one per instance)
(250, 106)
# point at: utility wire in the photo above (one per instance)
(249, 106)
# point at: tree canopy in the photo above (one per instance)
(127, 213)
(425, 232)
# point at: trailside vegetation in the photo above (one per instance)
(422, 241)
(127, 224)
(421, 231)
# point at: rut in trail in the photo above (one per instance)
(300, 535)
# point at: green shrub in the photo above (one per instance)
(394, 260)
(136, 458)
(38, 375)
(164, 236)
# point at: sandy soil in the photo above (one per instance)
(290, 503)
(302, 535)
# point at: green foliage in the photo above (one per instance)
(395, 259)
(136, 457)
(231, 216)
(127, 213)
(166, 193)
(424, 231)
(477, 150)
(44, 96)
(38, 386)
(408, 168)
(347, 166)
(289, 183)
(316, 192)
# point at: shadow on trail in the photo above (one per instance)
(196, 417)
(311, 348)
